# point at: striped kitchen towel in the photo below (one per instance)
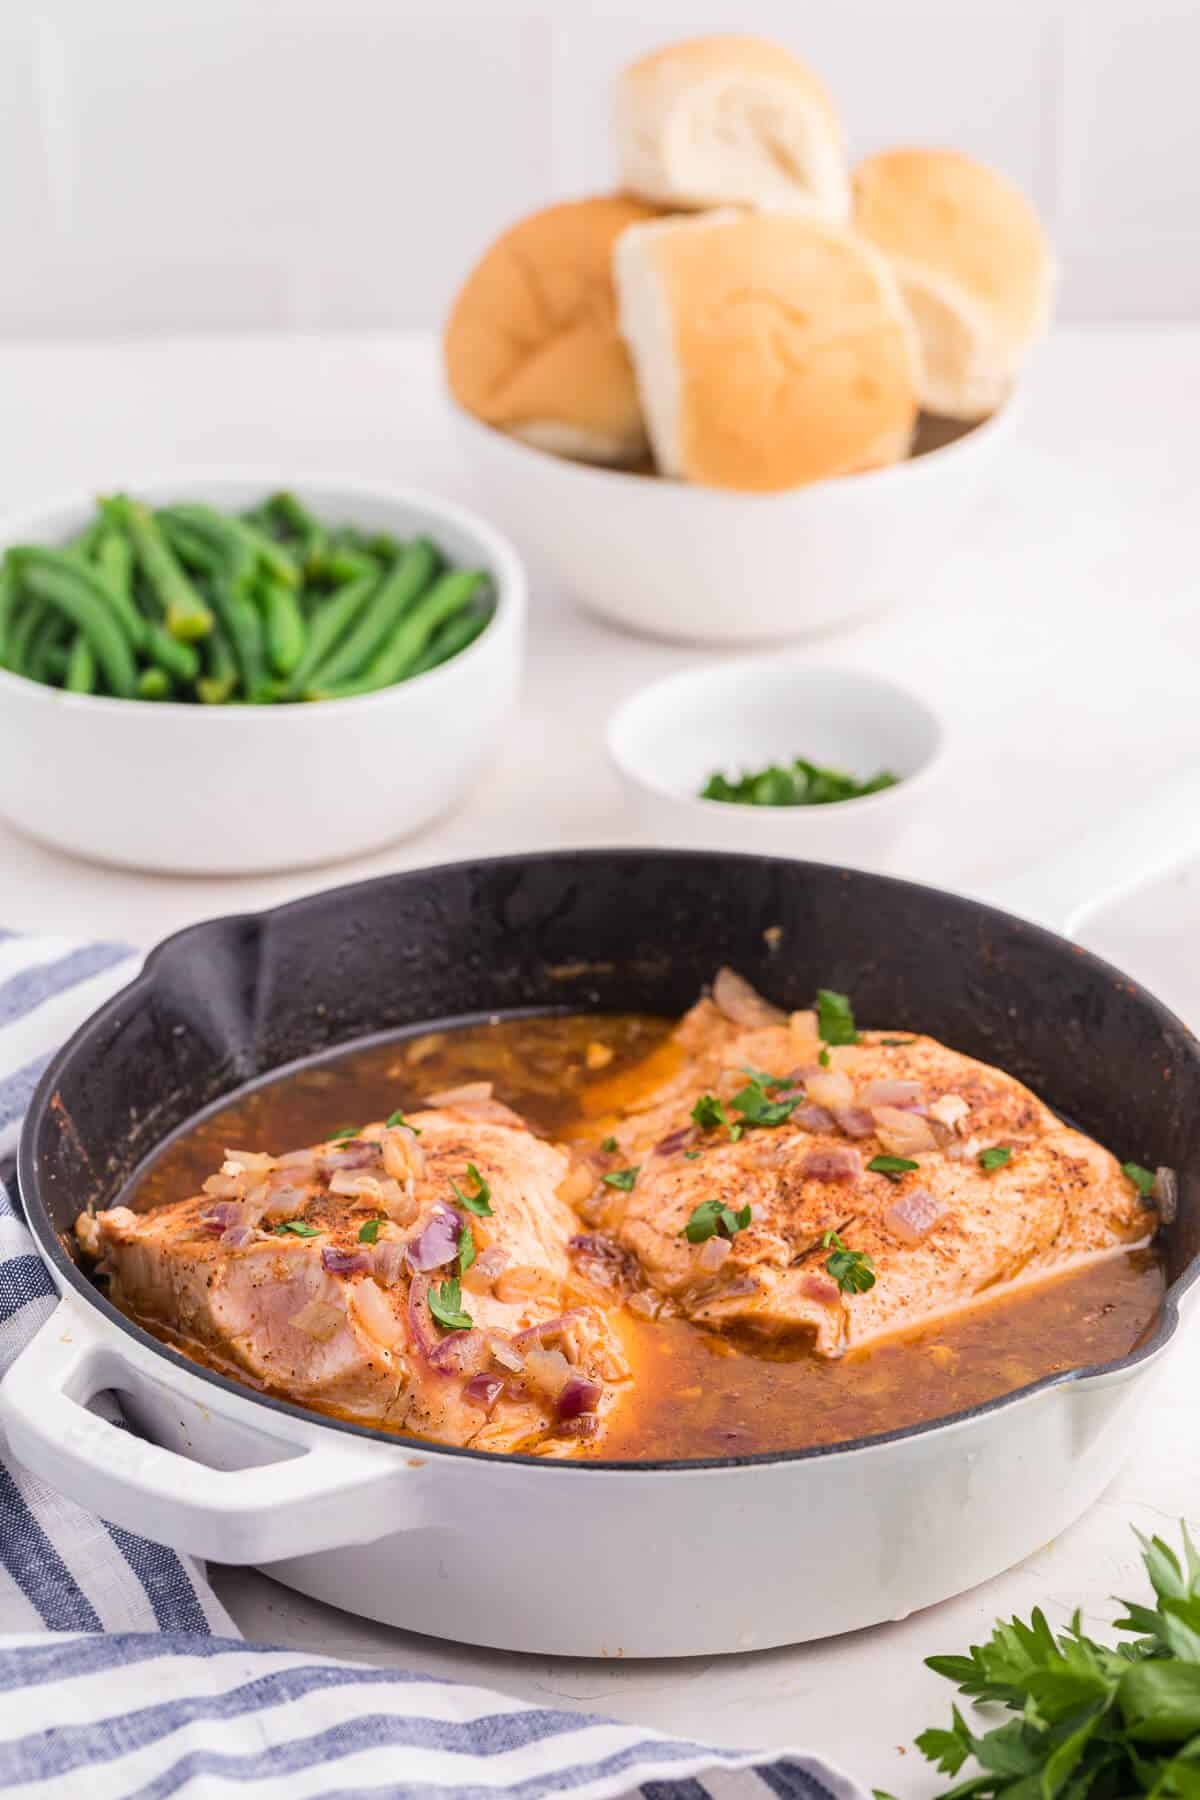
(122, 1676)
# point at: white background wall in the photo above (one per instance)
(314, 163)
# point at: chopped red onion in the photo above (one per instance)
(387, 1262)
(503, 1353)
(463, 1352)
(892, 1093)
(578, 1396)
(902, 1131)
(484, 1391)
(674, 1140)
(838, 1162)
(344, 1262)
(295, 1160)
(536, 1334)
(820, 1288)
(734, 996)
(236, 1237)
(811, 1118)
(481, 1277)
(912, 1215)
(358, 1155)
(222, 1216)
(587, 1425)
(714, 1252)
(225, 1187)
(419, 1316)
(855, 1121)
(830, 1088)
(437, 1244)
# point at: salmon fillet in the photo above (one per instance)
(941, 1230)
(267, 1274)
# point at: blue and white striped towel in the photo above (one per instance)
(145, 1692)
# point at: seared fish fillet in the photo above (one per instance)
(941, 1231)
(267, 1273)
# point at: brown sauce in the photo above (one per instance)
(694, 1394)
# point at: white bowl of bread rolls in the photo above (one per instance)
(753, 394)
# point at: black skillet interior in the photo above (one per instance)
(602, 930)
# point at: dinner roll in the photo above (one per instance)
(973, 264)
(730, 121)
(770, 349)
(531, 344)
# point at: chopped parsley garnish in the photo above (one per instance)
(347, 1131)
(897, 1043)
(800, 783)
(690, 1155)
(609, 1145)
(398, 1118)
(995, 1156)
(712, 1217)
(480, 1202)
(767, 1081)
(757, 1108)
(835, 1020)
(1142, 1179)
(368, 1231)
(853, 1270)
(823, 1058)
(298, 1228)
(622, 1178)
(466, 1247)
(892, 1166)
(445, 1303)
(709, 1112)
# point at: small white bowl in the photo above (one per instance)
(740, 716)
(238, 790)
(704, 566)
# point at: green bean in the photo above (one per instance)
(81, 667)
(449, 594)
(153, 684)
(293, 515)
(339, 565)
(287, 632)
(41, 662)
(113, 557)
(267, 550)
(398, 590)
(84, 546)
(219, 680)
(334, 617)
(188, 618)
(384, 545)
(25, 627)
(450, 639)
(8, 597)
(180, 661)
(198, 552)
(54, 577)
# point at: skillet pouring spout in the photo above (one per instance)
(492, 1548)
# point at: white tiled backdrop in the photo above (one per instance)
(322, 163)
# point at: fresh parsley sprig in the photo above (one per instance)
(480, 1202)
(622, 1178)
(995, 1156)
(445, 1303)
(1093, 1720)
(1142, 1179)
(835, 1018)
(853, 1270)
(892, 1166)
(713, 1217)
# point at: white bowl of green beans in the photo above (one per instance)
(229, 674)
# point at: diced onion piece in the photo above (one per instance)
(674, 1140)
(251, 1159)
(403, 1156)
(713, 1252)
(469, 1091)
(646, 1303)
(437, 1244)
(576, 1184)
(504, 1354)
(812, 1118)
(892, 1093)
(236, 1237)
(522, 1283)
(296, 1160)
(830, 1088)
(548, 1370)
(388, 1259)
(354, 1187)
(803, 1027)
(376, 1315)
(734, 997)
(949, 1110)
(462, 1352)
(484, 1391)
(586, 1425)
(579, 1396)
(1165, 1193)
(820, 1288)
(912, 1215)
(223, 1214)
(360, 1155)
(835, 1162)
(225, 1187)
(903, 1133)
(855, 1121)
(597, 1055)
(480, 1278)
(318, 1320)
(344, 1262)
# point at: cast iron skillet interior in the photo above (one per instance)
(225, 1002)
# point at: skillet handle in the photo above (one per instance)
(324, 1490)
(1126, 851)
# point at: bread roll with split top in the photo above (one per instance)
(719, 121)
(973, 264)
(770, 349)
(531, 344)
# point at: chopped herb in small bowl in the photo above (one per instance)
(799, 783)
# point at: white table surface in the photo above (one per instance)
(1061, 637)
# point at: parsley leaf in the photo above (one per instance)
(398, 1118)
(1092, 1719)
(799, 783)
(480, 1202)
(347, 1131)
(853, 1270)
(709, 1112)
(823, 1058)
(609, 1145)
(1142, 1179)
(835, 1020)
(995, 1156)
(767, 1081)
(693, 1155)
(298, 1227)
(892, 1166)
(466, 1247)
(757, 1108)
(895, 1043)
(712, 1217)
(445, 1303)
(368, 1231)
(622, 1178)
